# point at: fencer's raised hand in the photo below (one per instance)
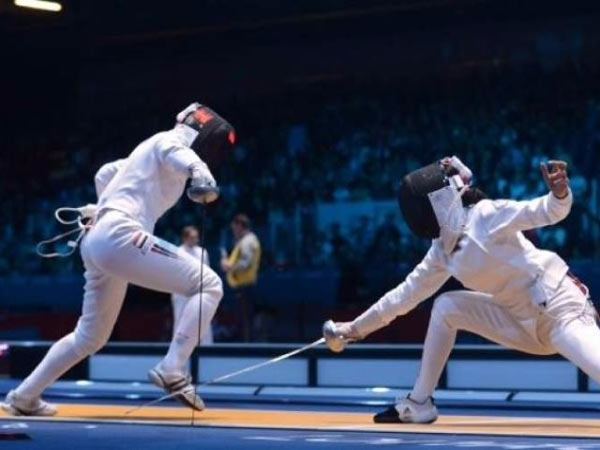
(454, 164)
(556, 178)
(203, 188)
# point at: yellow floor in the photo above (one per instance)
(329, 421)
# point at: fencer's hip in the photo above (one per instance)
(113, 230)
(569, 304)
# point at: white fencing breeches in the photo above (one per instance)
(178, 303)
(577, 338)
(115, 252)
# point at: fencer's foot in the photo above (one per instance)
(17, 405)
(173, 382)
(408, 411)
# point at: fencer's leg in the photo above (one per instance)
(170, 373)
(579, 342)
(103, 297)
(571, 328)
(193, 323)
(436, 350)
(159, 265)
(207, 338)
(150, 262)
(60, 357)
(470, 311)
(178, 303)
(186, 336)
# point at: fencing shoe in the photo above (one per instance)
(18, 405)
(408, 411)
(173, 382)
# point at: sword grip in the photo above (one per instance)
(334, 340)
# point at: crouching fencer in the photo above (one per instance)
(519, 296)
(120, 248)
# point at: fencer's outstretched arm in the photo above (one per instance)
(511, 216)
(425, 279)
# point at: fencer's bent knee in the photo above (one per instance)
(443, 307)
(210, 284)
(219, 289)
(87, 343)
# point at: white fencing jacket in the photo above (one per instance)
(151, 179)
(492, 256)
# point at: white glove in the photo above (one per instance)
(348, 330)
(203, 188)
(338, 334)
(465, 173)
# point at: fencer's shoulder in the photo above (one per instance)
(110, 167)
(484, 209)
(180, 136)
(163, 137)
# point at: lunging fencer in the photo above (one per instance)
(519, 296)
(120, 248)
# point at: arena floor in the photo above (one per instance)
(89, 425)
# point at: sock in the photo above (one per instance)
(438, 345)
(186, 335)
(60, 358)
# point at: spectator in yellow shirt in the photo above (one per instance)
(241, 267)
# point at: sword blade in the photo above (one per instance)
(235, 373)
(265, 363)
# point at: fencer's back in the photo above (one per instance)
(145, 187)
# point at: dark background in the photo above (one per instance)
(332, 100)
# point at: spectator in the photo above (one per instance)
(241, 267)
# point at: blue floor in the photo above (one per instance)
(63, 436)
(95, 436)
(325, 396)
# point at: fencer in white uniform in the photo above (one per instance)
(120, 248)
(519, 296)
(190, 245)
(190, 237)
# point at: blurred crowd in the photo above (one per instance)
(351, 147)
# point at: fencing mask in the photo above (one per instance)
(212, 136)
(430, 200)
